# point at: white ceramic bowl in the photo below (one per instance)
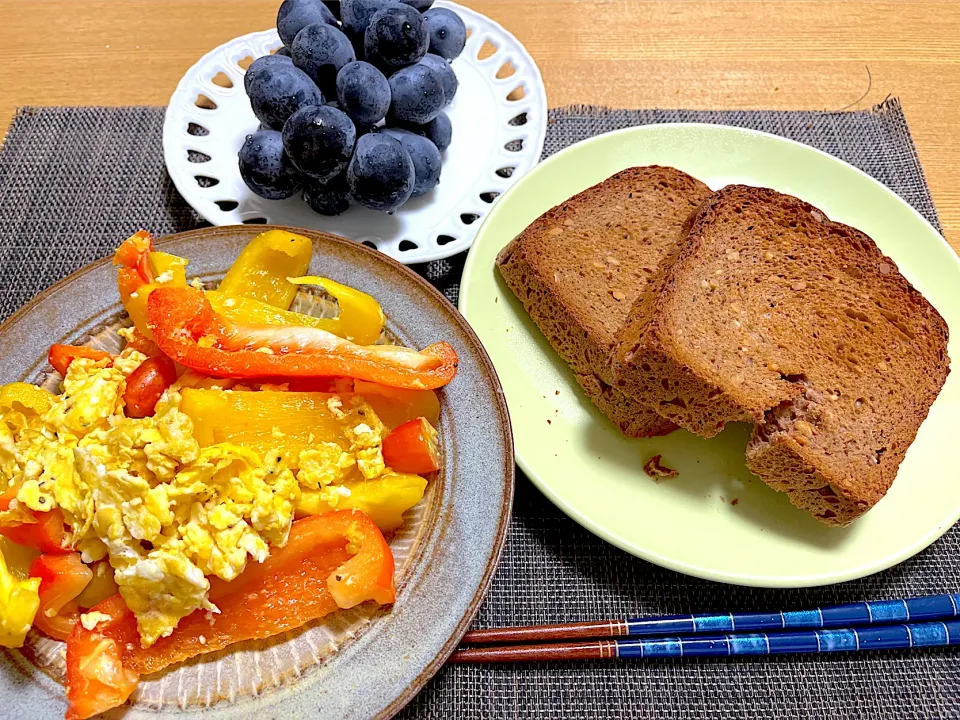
(496, 139)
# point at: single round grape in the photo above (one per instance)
(416, 94)
(327, 198)
(265, 167)
(448, 34)
(276, 92)
(295, 15)
(425, 157)
(320, 51)
(363, 92)
(395, 37)
(319, 141)
(261, 64)
(381, 173)
(447, 76)
(439, 131)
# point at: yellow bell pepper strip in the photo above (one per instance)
(245, 310)
(19, 602)
(24, 397)
(261, 270)
(140, 269)
(101, 586)
(133, 275)
(361, 317)
(384, 499)
(287, 422)
(333, 561)
(18, 557)
(186, 328)
(394, 406)
(167, 269)
(360, 320)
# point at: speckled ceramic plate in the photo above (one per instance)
(362, 663)
(715, 520)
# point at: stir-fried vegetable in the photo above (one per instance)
(261, 271)
(19, 601)
(146, 384)
(361, 317)
(60, 356)
(412, 448)
(62, 578)
(384, 499)
(342, 425)
(188, 330)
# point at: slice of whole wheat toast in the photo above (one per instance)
(579, 267)
(771, 313)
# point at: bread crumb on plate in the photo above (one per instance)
(656, 469)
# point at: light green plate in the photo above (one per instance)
(715, 520)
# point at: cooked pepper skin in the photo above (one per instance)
(384, 499)
(412, 448)
(47, 534)
(60, 356)
(287, 422)
(19, 602)
(361, 318)
(62, 578)
(147, 384)
(188, 330)
(140, 269)
(262, 268)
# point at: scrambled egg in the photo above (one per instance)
(167, 513)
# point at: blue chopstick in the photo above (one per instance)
(850, 615)
(877, 637)
(930, 607)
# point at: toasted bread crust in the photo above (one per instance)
(633, 420)
(774, 314)
(580, 266)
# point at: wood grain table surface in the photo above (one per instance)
(705, 54)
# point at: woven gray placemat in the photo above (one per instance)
(73, 181)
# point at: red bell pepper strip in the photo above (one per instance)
(62, 578)
(61, 356)
(412, 448)
(96, 677)
(47, 534)
(188, 330)
(313, 575)
(132, 256)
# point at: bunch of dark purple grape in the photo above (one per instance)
(351, 107)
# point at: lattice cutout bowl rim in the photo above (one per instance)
(499, 122)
